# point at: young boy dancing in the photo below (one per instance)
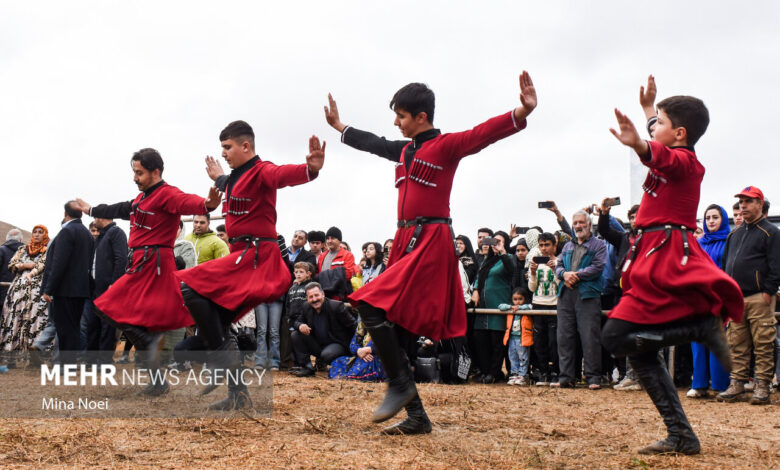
(395, 303)
(218, 292)
(672, 292)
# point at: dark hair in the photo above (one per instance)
(378, 258)
(486, 230)
(547, 237)
(524, 292)
(415, 98)
(735, 206)
(206, 215)
(305, 235)
(313, 285)
(505, 236)
(149, 158)
(221, 228)
(239, 131)
(687, 112)
(72, 212)
(92, 224)
(634, 209)
(765, 209)
(711, 206)
(469, 251)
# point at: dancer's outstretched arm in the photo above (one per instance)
(528, 99)
(362, 140)
(629, 137)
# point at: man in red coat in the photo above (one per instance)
(146, 301)
(672, 291)
(219, 292)
(420, 291)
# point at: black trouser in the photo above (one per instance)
(66, 313)
(490, 351)
(285, 345)
(306, 346)
(578, 317)
(191, 348)
(213, 320)
(101, 337)
(546, 340)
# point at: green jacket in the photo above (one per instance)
(208, 246)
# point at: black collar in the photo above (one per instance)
(150, 190)
(423, 137)
(236, 174)
(686, 147)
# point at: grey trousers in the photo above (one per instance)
(579, 316)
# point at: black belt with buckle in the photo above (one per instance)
(658, 228)
(250, 240)
(418, 225)
(155, 249)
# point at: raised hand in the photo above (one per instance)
(82, 205)
(213, 199)
(512, 232)
(647, 95)
(213, 168)
(316, 157)
(628, 135)
(527, 96)
(332, 115)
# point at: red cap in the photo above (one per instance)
(751, 191)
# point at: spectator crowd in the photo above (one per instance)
(535, 297)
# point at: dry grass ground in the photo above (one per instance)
(319, 423)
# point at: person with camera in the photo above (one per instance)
(544, 285)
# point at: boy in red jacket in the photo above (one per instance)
(672, 291)
(420, 291)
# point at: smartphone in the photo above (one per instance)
(489, 241)
(546, 205)
(613, 201)
(522, 230)
(541, 259)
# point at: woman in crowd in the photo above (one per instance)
(466, 256)
(362, 364)
(387, 248)
(494, 286)
(24, 311)
(374, 262)
(520, 276)
(716, 231)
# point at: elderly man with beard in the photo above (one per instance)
(579, 302)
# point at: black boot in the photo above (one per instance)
(238, 395)
(226, 357)
(155, 387)
(147, 345)
(704, 329)
(660, 387)
(400, 386)
(416, 422)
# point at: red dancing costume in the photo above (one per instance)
(421, 290)
(253, 272)
(148, 294)
(667, 275)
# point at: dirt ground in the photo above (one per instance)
(318, 423)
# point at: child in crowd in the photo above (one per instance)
(519, 338)
(296, 296)
(544, 286)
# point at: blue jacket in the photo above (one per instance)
(589, 270)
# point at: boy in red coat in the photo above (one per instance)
(217, 293)
(672, 291)
(146, 301)
(420, 291)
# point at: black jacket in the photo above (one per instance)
(7, 251)
(306, 256)
(341, 323)
(752, 257)
(622, 242)
(69, 262)
(110, 257)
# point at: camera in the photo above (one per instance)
(489, 241)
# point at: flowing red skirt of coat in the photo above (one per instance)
(241, 287)
(145, 298)
(660, 289)
(420, 291)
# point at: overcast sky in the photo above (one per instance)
(85, 84)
